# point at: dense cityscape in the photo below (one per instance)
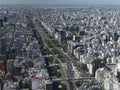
(51, 48)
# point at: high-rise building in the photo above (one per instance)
(1, 22)
(5, 19)
(3, 46)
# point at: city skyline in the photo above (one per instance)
(62, 2)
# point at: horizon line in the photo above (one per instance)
(65, 4)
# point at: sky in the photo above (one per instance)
(52, 2)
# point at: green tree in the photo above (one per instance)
(79, 83)
(84, 66)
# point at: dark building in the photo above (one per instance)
(49, 85)
(3, 46)
(61, 35)
(1, 22)
(107, 37)
(11, 56)
(97, 63)
(10, 66)
(3, 59)
(5, 19)
(116, 36)
(82, 33)
(11, 53)
(56, 30)
(57, 85)
(2, 65)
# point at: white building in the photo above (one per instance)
(38, 83)
(101, 74)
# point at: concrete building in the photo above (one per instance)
(48, 85)
(10, 85)
(94, 65)
(38, 83)
(101, 74)
(10, 66)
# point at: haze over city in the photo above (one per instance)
(52, 2)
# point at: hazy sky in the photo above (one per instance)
(60, 2)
